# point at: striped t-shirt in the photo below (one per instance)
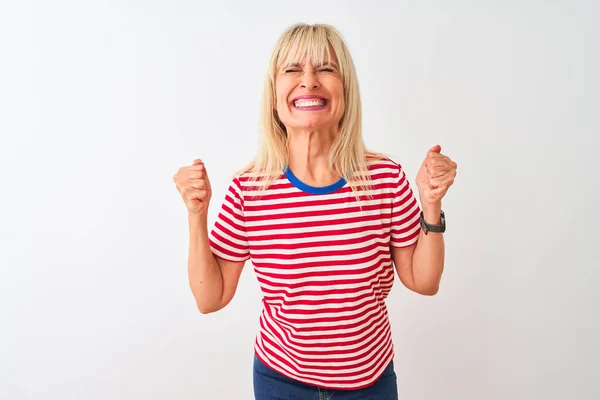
(325, 269)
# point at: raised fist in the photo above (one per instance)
(193, 184)
(435, 176)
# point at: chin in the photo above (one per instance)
(313, 127)
(314, 124)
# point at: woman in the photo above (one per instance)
(324, 221)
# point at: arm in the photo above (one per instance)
(213, 281)
(420, 266)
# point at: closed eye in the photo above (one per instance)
(292, 70)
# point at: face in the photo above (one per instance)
(310, 96)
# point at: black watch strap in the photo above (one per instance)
(441, 227)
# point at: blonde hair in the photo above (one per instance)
(348, 154)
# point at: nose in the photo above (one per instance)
(309, 81)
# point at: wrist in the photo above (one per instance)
(432, 212)
(197, 220)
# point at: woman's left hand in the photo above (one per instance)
(435, 176)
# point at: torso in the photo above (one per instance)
(325, 270)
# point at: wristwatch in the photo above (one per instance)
(441, 227)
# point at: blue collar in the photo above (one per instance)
(313, 189)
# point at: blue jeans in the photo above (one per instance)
(271, 385)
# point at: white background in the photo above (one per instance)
(102, 101)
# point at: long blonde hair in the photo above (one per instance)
(348, 154)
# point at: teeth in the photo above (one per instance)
(309, 103)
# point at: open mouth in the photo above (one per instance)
(313, 103)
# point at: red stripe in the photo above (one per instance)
(257, 237)
(323, 263)
(323, 243)
(314, 224)
(326, 253)
(325, 292)
(319, 213)
(290, 302)
(316, 203)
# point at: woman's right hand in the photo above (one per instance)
(193, 185)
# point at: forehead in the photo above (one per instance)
(303, 53)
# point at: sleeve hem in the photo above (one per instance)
(404, 244)
(230, 259)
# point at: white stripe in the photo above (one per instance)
(283, 305)
(382, 244)
(323, 297)
(322, 280)
(341, 198)
(273, 223)
(385, 204)
(317, 239)
(325, 259)
(302, 239)
(290, 312)
(320, 228)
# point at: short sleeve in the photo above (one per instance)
(405, 212)
(228, 238)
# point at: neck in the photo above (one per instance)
(308, 156)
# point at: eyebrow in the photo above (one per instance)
(326, 64)
(323, 64)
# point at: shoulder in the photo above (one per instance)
(383, 163)
(246, 176)
(386, 170)
(247, 181)
(239, 180)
